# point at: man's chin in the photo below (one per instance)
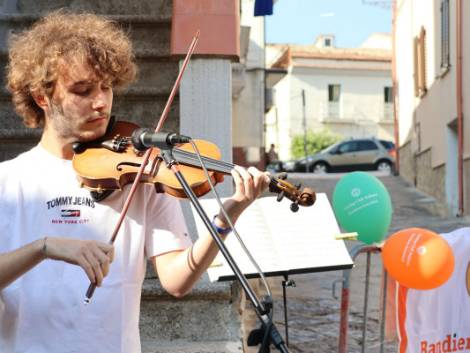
(87, 136)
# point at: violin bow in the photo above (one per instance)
(146, 156)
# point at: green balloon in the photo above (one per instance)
(362, 204)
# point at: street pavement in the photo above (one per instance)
(313, 313)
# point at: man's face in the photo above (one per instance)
(80, 107)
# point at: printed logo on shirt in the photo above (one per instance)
(451, 343)
(69, 215)
(70, 201)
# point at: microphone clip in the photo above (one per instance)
(143, 139)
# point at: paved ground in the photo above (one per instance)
(313, 312)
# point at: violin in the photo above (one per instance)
(112, 162)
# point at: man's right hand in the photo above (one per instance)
(93, 256)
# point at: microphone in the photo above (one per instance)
(143, 139)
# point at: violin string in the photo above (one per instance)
(218, 165)
(194, 158)
(229, 221)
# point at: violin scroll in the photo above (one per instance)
(304, 197)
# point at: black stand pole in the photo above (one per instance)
(286, 283)
(261, 310)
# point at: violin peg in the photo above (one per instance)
(280, 196)
(298, 186)
(294, 207)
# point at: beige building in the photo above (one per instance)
(431, 85)
(315, 87)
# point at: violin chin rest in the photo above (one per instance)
(100, 196)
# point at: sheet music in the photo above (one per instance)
(281, 241)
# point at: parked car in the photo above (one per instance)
(390, 146)
(275, 167)
(351, 154)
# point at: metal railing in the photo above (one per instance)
(345, 300)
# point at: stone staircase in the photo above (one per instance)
(208, 319)
(149, 25)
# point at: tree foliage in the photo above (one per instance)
(315, 142)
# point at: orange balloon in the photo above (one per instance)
(418, 258)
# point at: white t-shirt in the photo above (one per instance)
(438, 320)
(43, 310)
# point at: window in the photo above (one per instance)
(445, 35)
(388, 104)
(327, 42)
(348, 147)
(334, 95)
(389, 145)
(334, 92)
(420, 63)
(388, 98)
(365, 145)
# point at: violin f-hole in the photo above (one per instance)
(129, 164)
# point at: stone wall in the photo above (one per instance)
(432, 181)
(407, 163)
(417, 170)
(466, 187)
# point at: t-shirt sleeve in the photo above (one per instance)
(165, 226)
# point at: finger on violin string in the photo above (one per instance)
(244, 182)
(237, 180)
(261, 179)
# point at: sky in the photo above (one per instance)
(351, 21)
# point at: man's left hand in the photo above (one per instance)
(249, 185)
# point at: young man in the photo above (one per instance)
(62, 73)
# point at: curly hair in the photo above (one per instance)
(35, 56)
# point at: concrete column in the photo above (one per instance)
(206, 106)
(206, 88)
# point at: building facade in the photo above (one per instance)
(346, 91)
(431, 85)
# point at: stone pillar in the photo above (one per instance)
(206, 106)
(206, 88)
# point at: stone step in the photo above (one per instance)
(210, 313)
(191, 347)
(155, 78)
(150, 34)
(10, 149)
(144, 110)
(159, 8)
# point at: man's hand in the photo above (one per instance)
(249, 184)
(93, 256)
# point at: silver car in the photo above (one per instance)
(351, 154)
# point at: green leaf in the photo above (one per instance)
(314, 142)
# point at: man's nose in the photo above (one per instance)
(101, 100)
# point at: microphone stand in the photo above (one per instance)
(261, 310)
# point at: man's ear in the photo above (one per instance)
(41, 100)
